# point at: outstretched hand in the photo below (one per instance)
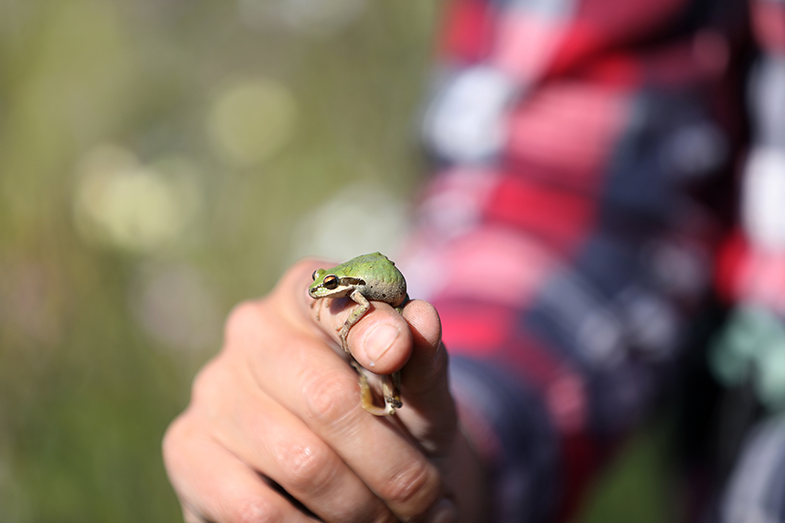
(275, 430)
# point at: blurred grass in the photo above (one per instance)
(89, 374)
(86, 391)
(636, 485)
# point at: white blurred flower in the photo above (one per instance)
(359, 219)
(318, 18)
(252, 120)
(123, 204)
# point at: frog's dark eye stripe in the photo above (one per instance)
(330, 281)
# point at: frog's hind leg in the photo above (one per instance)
(391, 388)
(366, 395)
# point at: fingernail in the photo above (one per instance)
(444, 511)
(378, 341)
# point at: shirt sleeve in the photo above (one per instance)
(582, 155)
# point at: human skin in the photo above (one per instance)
(278, 408)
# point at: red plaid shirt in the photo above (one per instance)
(582, 207)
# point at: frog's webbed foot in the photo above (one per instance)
(344, 334)
(390, 390)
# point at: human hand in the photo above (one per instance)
(275, 422)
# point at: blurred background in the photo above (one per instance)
(159, 162)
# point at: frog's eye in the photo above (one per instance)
(330, 282)
(313, 276)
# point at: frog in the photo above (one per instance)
(370, 277)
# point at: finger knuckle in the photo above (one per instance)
(415, 485)
(310, 467)
(328, 398)
(255, 510)
(241, 319)
(203, 381)
(172, 443)
(190, 517)
(171, 436)
(208, 384)
(384, 517)
(351, 512)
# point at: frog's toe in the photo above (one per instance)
(378, 411)
(345, 343)
(366, 399)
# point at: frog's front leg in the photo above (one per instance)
(362, 307)
(318, 305)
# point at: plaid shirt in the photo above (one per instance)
(583, 208)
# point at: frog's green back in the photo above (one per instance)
(383, 278)
(375, 264)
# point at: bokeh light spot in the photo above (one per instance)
(134, 207)
(252, 120)
(314, 18)
(368, 217)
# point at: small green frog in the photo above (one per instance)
(367, 277)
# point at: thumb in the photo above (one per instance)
(429, 413)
